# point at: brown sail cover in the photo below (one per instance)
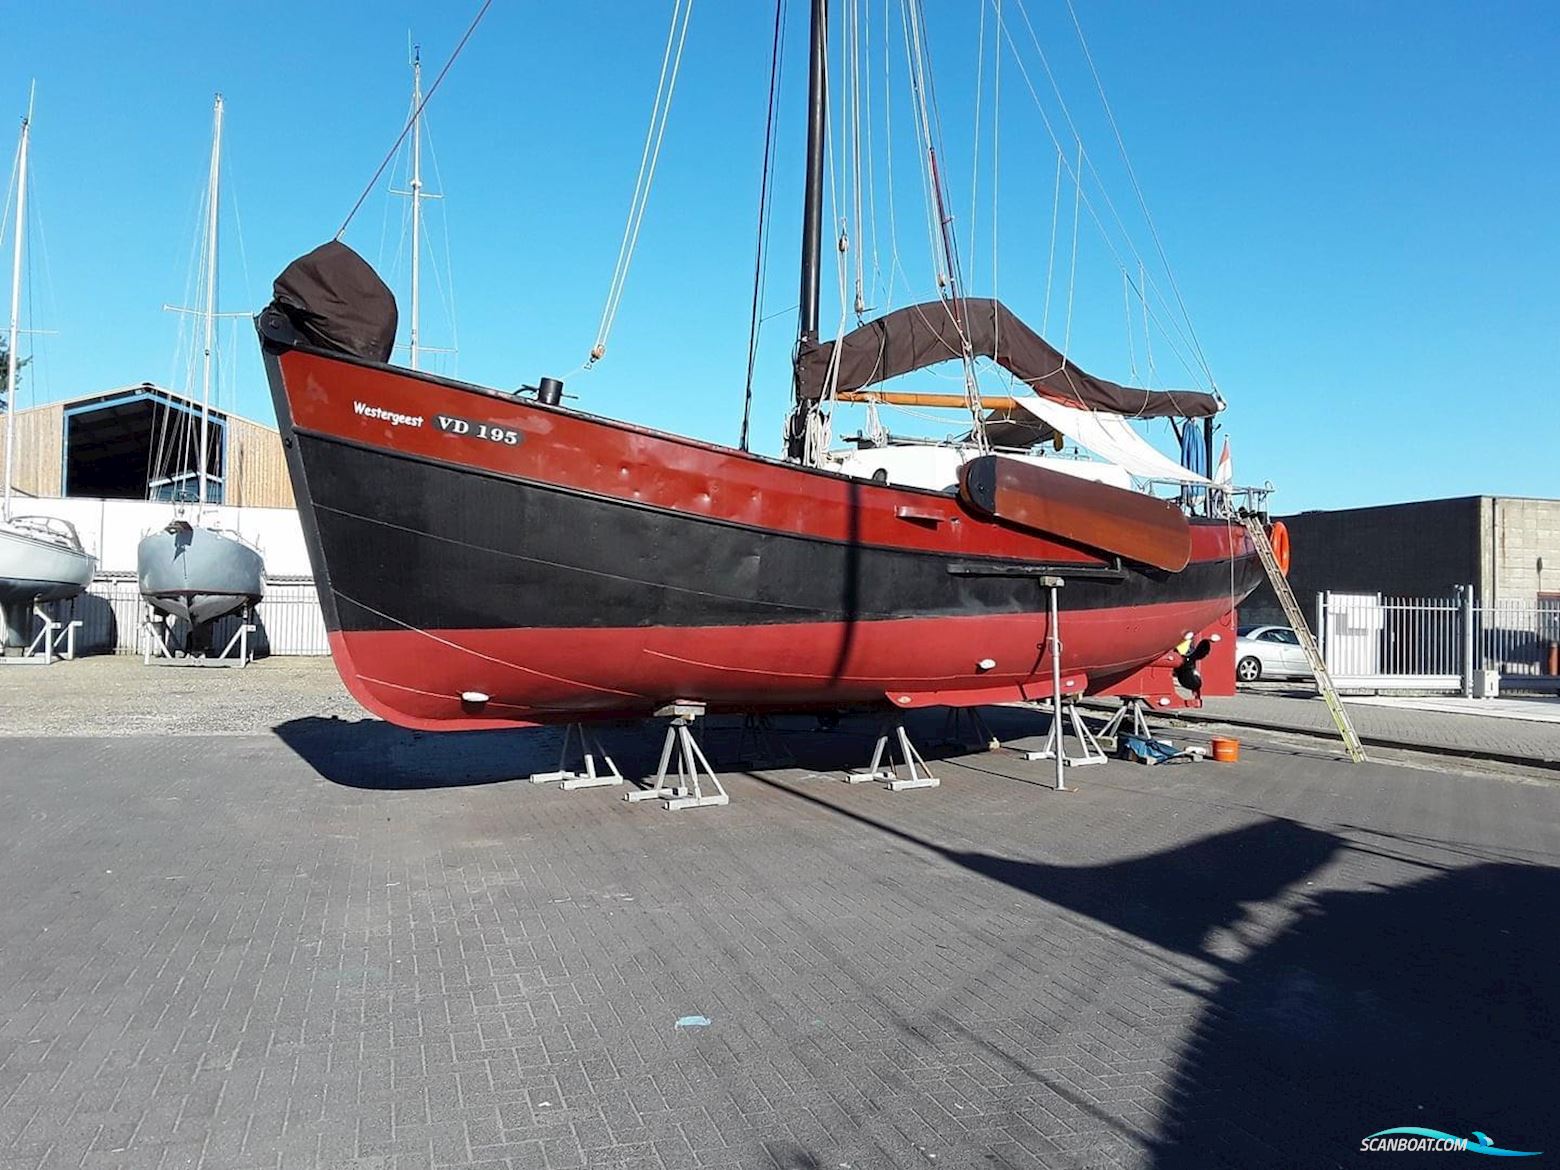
(922, 335)
(336, 301)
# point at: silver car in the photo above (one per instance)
(1269, 652)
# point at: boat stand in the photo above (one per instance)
(1090, 751)
(1055, 745)
(966, 728)
(54, 642)
(693, 767)
(157, 652)
(1129, 719)
(589, 748)
(883, 768)
(768, 749)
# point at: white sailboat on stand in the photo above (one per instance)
(41, 558)
(193, 570)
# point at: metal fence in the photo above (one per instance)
(1439, 643)
(1519, 639)
(288, 621)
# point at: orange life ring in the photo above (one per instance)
(1278, 537)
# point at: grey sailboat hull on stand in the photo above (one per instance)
(38, 562)
(198, 574)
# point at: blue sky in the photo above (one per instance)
(1358, 202)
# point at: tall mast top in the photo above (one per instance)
(16, 305)
(213, 199)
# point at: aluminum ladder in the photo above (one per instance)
(1313, 654)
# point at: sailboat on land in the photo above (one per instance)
(485, 559)
(41, 558)
(193, 570)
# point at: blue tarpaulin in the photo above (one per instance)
(1194, 457)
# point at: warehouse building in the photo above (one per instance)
(1506, 548)
(140, 442)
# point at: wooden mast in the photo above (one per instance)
(812, 219)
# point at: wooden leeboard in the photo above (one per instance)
(1114, 520)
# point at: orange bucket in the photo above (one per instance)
(1226, 751)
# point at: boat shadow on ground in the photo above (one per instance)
(1427, 996)
(374, 755)
(383, 757)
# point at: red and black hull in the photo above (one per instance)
(467, 542)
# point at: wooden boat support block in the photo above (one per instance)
(1075, 683)
(1097, 515)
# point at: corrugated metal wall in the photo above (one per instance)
(40, 442)
(257, 467)
(289, 618)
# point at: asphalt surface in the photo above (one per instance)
(331, 943)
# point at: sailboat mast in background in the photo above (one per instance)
(16, 308)
(213, 190)
(416, 197)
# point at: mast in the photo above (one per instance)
(213, 187)
(812, 215)
(416, 195)
(16, 307)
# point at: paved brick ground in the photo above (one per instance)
(348, 946)
(1431, 730)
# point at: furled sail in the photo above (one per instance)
(922, 335)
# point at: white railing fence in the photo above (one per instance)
(1448, 644)
(288, 620)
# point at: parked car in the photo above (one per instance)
(1269, 652)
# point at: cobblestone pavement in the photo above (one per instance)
(1431, 730)
(345, 945)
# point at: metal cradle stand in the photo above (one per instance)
(920, 772)
(157, 652)
(759, 744)
(1129, 719)
(54, 642)
(588, 748)
(965, 727)
(693, 767)
(1090, 751)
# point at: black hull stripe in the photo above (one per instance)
(410, 541)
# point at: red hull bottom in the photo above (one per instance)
(533, 676)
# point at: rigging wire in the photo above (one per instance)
(410, 122)
(996, 149)
(660, 113)
(1148, 337)
(1110, 204)
(761, 251)
(854, 30)
(1138, 190)
(875, 291)
(930, 122)
(1050, 260)
(980, 71)
(1126, 300)
(1072, 274)
(1088, 203)
(446, 285)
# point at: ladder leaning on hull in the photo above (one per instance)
(1313, 655)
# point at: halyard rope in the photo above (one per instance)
(412, 121)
